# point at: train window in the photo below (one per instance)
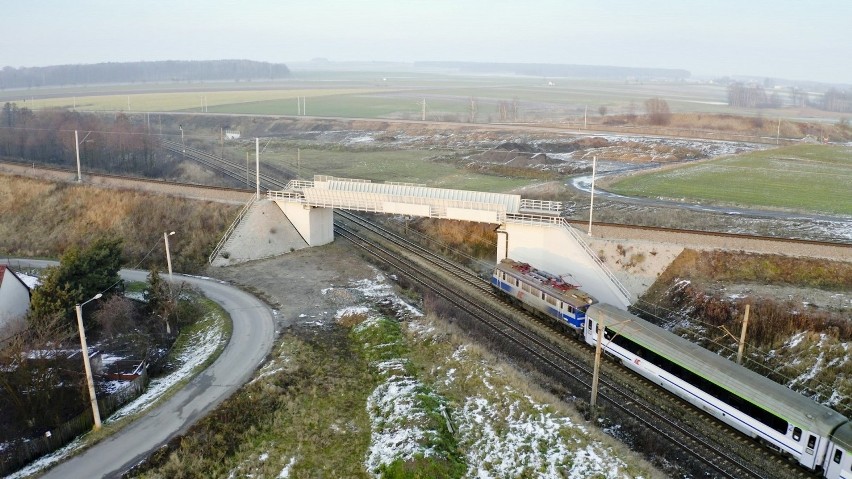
(551, 300)
(797, 434)
(838, 454)
(811, 444)
(705, 385)
(589, 325)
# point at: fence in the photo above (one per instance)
(25, 450)
(231, 229)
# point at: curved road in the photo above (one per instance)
(253, 334)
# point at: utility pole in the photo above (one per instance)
(743, 336)
(597, 368)
(298, 163)
(423, 115)
(598, 350)
(77, 147)
(84, 348)
(257, 164)
(585, 115)
(592, 198)
(778, 131)
(247, 170)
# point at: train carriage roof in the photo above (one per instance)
(843, 437)
(551, 283)
(784, 402)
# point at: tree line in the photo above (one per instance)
(141, 72)
(107, 143)
(753, 95)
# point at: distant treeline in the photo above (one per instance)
(753, 95)
(141, 72)
(110, 144)
(561, 70)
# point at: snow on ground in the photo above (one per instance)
(285, 473)
(202, 344)
(509, 434)
(503, 432)
(379, 289)
(397, 419)
(205, 342)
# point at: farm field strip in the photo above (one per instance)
(803, 177)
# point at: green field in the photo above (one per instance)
(408, 166)
(378, 95)
(812, 178)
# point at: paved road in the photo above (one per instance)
(252, 338)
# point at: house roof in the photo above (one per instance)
(12, 274)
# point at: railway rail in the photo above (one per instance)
(663, 415)
(268, 182)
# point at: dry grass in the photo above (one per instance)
(701, 124)
(43, 219)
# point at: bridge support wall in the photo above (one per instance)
(555, 250)
(316, 225)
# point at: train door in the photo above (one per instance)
(809, 454)
(837, 461)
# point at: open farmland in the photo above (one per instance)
(812, 178)
(407, 166)
(398, 94)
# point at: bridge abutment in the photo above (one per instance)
(316, 225)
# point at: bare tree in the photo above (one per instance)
(116, 316)
(602, 110)
(658, 111)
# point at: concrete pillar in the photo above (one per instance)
(316, 225)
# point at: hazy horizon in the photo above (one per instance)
(776, 39)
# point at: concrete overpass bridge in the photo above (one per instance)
(531, 231)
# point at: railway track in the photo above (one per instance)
(269, 182)
(715, 446)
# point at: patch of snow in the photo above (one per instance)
(30, 281)
(395, 423)
(205, 343)
(286, 471)
(351, 311)
(378, 289)
(263, 457)
(135, 295)
(795, 340)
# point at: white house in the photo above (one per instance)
(14, 297)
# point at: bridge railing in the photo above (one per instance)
(299, 184)
(542, 205)
(287, 195)
(556, 221)
(230, 230)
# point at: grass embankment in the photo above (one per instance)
(804, 178)
(790, 340)
(369, 396)
(42, 219)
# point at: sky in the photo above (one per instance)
(779, 39)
